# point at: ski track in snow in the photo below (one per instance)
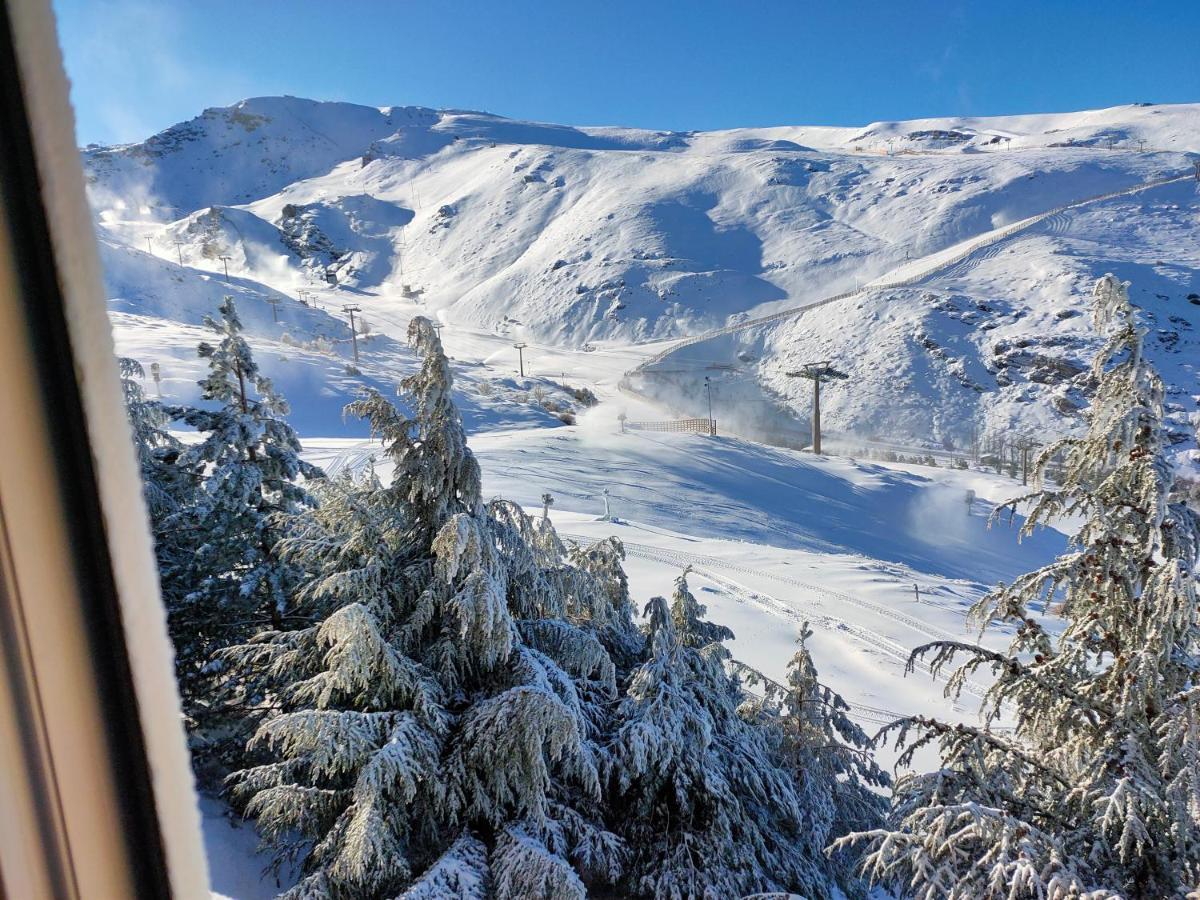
(962, 258)
(703, 564)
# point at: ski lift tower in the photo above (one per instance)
(351, 309)
(817, 372)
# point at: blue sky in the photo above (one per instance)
(138, 66)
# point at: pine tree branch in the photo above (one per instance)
(1006, 667)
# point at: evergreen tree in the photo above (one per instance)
(166, 486)
(227, 577)
(688, 615)
(437, 725)
(701, 803)
(602, 601)
(827, 756)
(1096, 793)
(169, 488)
(436, 475)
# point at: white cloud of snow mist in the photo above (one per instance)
(940, 515)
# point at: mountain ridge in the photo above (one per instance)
(577, 235)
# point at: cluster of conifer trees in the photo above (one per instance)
(416, 693)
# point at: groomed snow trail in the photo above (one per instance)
(702, 565)
(914, 272)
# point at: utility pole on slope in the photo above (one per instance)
(351, 309)
(520, 347)
(179, 250)
(225, 260)
(817, 372)
(712, 427)
(1025, 445)
(274, 301)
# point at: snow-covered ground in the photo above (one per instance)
(569, 237)
(596, 246)
(879, 559)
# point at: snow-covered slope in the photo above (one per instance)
(592, 233)
(571, 236)
(997, 344)
(157, 310)
(239, 153)
(878, 559)
(587, 243)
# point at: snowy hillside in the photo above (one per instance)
(998, 343)
(585, 234)
(595, 248)
(567, 236)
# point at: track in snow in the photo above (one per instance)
(891, 280)
(352, 459)
(703, 565)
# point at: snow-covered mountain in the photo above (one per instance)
(996, 344)
(572, 235)
(593, 247)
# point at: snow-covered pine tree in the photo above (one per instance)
(702, 804)
(589, 581)
(165, 485)
(1096, 792)
(688, 615)
(436, 475)
(249, 465)
(168, 487)
(827, 754)
(603, 600)
(437, 724)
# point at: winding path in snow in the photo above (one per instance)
(911, 273)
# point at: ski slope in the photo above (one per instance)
(910, 273)
(566, 238)
(775, 538)
(943, 264)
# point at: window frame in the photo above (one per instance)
(94, 772)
